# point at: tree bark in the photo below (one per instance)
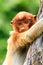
(35, 52)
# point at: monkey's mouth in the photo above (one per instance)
(22, 30)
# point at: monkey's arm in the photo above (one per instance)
(34, 31)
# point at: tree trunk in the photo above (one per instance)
(35, 52)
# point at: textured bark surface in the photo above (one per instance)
(40, 12)
(35, 52)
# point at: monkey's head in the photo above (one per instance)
(23, 21)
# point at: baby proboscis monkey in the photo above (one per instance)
(20, 38)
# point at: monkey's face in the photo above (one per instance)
(23, 25)
(23, 21)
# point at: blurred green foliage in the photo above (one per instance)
(8, 9)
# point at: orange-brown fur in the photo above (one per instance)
(23, 21)
(16, 43)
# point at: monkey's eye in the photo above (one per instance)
(19, 23)
(25, 21)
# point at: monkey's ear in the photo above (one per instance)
(11, 22)
(35, 17)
